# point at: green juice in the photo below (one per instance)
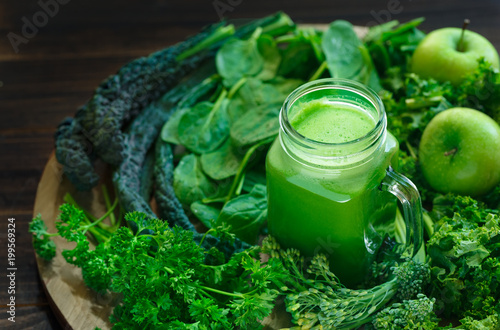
(322, 121)
(336, 209)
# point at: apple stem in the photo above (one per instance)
(460, 46)
(451, 152)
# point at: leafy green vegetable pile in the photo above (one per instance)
(196, 143)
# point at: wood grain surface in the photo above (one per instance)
(56, 70)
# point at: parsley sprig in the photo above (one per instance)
(165, 278)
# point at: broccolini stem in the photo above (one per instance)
(377, 298)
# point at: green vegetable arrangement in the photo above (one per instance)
(190, 126)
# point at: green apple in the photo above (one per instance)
(440, 56)
(460, 152)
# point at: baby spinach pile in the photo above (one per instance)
(200, 150)
(221, 177)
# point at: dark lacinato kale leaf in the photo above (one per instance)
(97, 128)
(96, 131)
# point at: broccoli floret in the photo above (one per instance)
(412, 277)
(409, 314)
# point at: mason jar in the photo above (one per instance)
(330, 182)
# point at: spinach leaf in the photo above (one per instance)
(190, 183)
(258, 56)
(223, 162)
(206, 126)
(205, 213)
(246, 214)
(169, 131)
(254, 177)
(254, 92)
(283, 87)
(271, 56)
(302, 55)
(237, 107)
(256, 125)
(346, 55)
(238, 58)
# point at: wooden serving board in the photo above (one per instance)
(75, 305)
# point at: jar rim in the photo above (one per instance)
(332, 83)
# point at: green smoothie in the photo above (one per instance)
(330, 210)
(324, 121)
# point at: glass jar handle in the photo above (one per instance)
(406, 192)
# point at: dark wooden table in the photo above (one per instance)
(47, 72)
